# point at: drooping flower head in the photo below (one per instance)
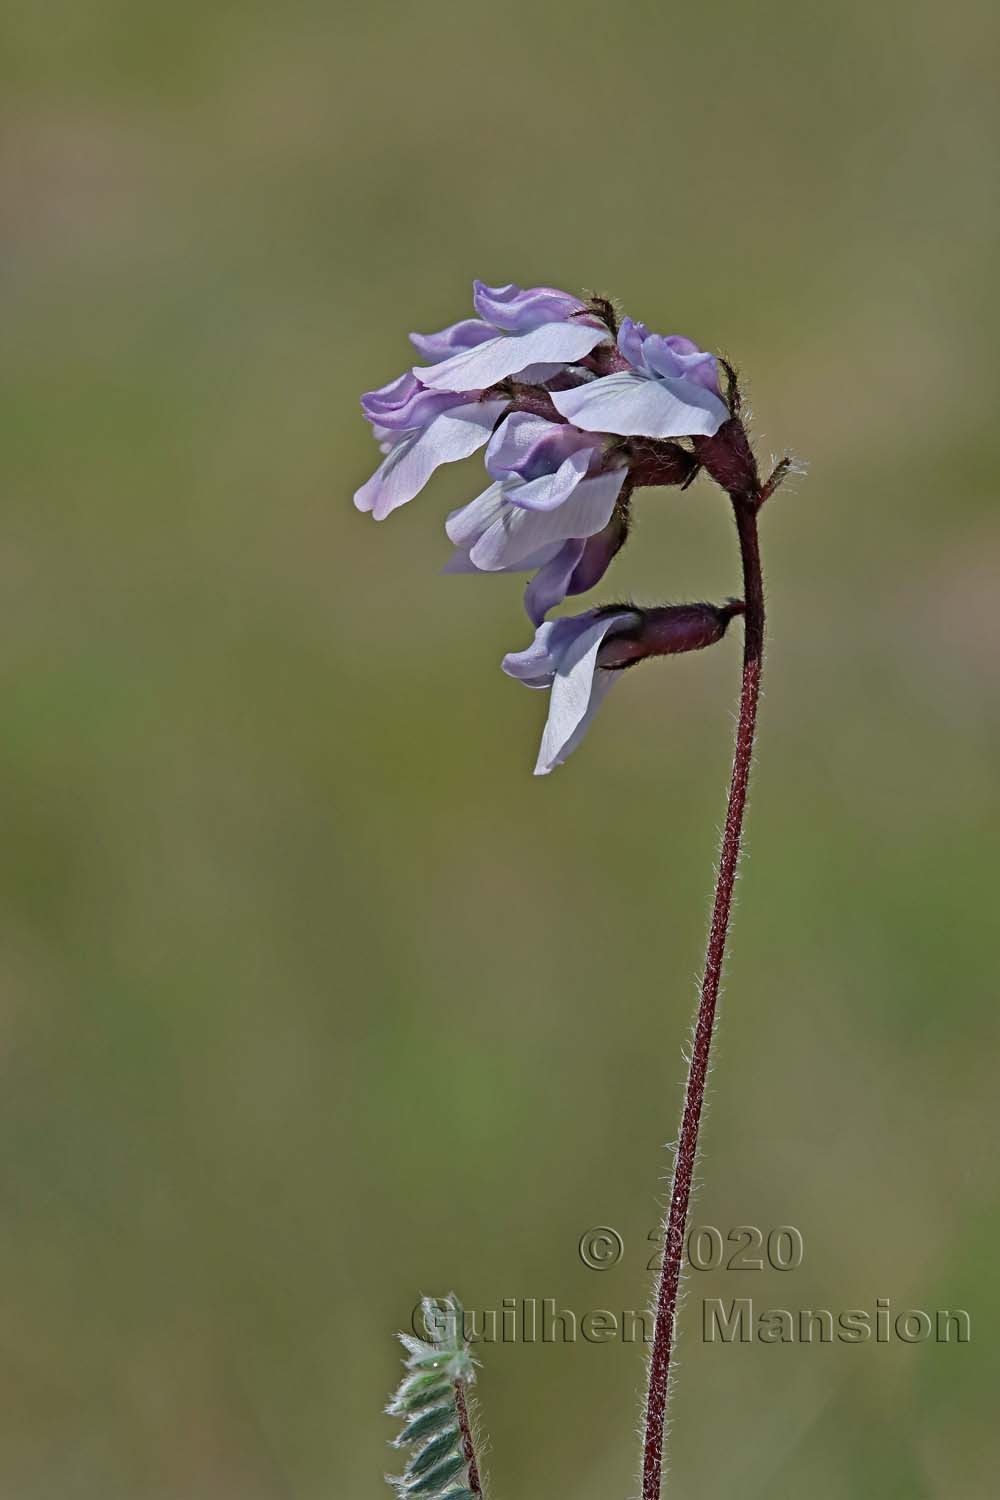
(434, 414)
(576, 415)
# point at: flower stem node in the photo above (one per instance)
(728, 457)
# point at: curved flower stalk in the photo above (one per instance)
(577, 416)
(432, 1403)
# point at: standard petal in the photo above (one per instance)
(461, 562)
(512, 445)
(551, 752)
(516, 534)
(465, 335)
(403, 405)
(466, 525)
(530, 446)
(406, 469)
(633, 405)
(578, 688)
(476, 369)
(516, 310)
(550, 490)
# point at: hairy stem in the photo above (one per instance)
(468, 1444)
(745, 508)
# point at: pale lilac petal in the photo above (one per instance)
(461, 562)
(634, 405)
(536, 665)
(541, 374)
(681, 345)
(599, 552)
(576, 568)
(466, 525)
(470, 523)
(465, 335)
(517, 533)
(672, 356)
(551, 490)
(530, 446)
(403, 405)
(678, 358)
(477, 369)
(554, 750)
(703, 369)
(515, 441)
(551, 584)
(517, 311)
(406, 469)
(631, 337)
(578, 688)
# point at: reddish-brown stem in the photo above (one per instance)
(468, 1445)
(745, 508)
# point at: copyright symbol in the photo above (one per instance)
(601, 1248)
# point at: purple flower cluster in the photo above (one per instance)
(574, 412)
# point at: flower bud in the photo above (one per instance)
(667, 631)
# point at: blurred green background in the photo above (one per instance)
(313, 999)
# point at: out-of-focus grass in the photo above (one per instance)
(313, 998)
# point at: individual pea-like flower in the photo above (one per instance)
(418, 430)
(413, 455)
(435, 414)
(578, 658)
(668, 389)
(531, 334)
(552, 491)
(565, 657)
